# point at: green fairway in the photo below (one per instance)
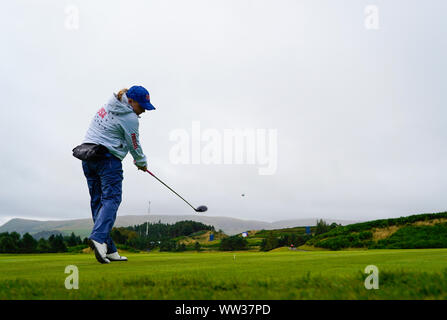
(283, 274)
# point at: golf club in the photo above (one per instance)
(199, 209)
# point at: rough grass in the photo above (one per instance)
(203, 238)
(430, 222)
(403, 274)
(383, 233)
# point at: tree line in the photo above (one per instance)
(162, 235)
(140, 237)
(15, 243)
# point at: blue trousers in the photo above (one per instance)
(104, 180)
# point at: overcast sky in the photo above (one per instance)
(357, 98)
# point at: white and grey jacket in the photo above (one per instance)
(115, 126)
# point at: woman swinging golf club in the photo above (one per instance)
(113, 132)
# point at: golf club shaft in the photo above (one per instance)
(170, 189)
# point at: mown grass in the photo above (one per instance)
(403, 274)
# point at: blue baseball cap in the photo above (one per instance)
(140, 95)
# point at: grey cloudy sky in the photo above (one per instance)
(360, 113)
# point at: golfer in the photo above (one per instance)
(113, 132)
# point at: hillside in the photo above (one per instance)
(203, 238)
(416, 231)
(83, 227)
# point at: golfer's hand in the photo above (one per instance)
(140, 168)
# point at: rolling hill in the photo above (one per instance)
(427, 230)
(83, 227)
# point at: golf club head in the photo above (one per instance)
(201, 209)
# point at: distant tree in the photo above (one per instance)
(322, 227)
(233, 243)
(28, 244)
(181, 247)
(117, 236)
(293, 238)
(140, 243)
(124, 235)
(334, 225)
(43, 246)
(15, 236)
(269, 243)
(57, 243)
(167, 245)
(197, 246)
(73, 240)
(8, 245)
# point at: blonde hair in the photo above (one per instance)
(120, 93)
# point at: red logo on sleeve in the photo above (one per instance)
(134, 141)
(102, 113)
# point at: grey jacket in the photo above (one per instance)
(115, 126)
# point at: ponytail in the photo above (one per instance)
(120, 93)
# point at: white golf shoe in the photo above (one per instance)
(100, 252)
(115, 257)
